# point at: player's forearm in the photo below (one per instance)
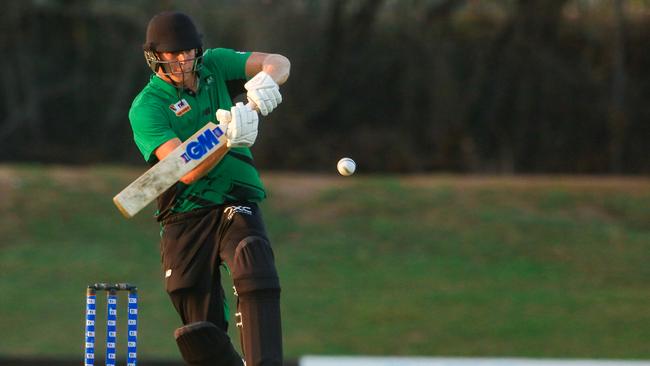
(203, 168)
(278, 67)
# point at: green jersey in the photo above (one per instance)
(162, 112)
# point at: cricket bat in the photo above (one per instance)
(207, 141)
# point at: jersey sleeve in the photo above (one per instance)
(229, 63)
(151, 128)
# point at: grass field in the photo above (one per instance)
(380, 265)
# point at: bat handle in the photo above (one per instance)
(223, 116)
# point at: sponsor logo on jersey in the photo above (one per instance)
(180, 108)
(204, 143)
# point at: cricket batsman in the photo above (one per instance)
(211, 216)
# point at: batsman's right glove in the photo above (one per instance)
(239, 124)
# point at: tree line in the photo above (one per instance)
(495, 86)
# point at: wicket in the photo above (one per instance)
(111, 322)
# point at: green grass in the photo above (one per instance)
(381, 265)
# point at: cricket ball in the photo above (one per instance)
(346, 166)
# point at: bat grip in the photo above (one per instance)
(252, 106)
(224, 115)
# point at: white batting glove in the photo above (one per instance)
(264, 92)
(240, 125)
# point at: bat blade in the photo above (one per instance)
(207, 141)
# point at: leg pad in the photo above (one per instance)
(260, 327)
(204, 344)
(254, 266)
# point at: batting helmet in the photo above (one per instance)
(170, 32)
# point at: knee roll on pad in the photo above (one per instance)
(254, 266)
(204, 344)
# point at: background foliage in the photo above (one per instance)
(402, 86)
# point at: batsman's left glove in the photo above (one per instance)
(264, 92)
